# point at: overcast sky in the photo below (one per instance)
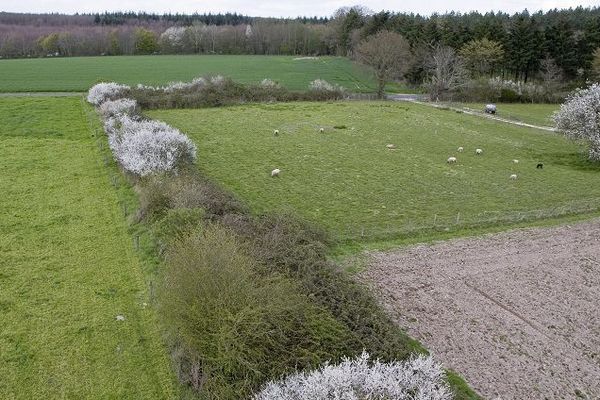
(283, 8)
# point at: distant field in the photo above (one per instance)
(346, 179)
(536, 114)
(68, 267)
(78, 74)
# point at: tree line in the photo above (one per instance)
(519, 46)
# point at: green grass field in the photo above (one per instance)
(68, 267)
(78, 74)
(348, 181)
(535, 114)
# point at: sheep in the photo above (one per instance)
(515, 161)
(391, 146)
(478, 151)
(540, 166)
(490, 109)
(451, 160)
(276, 132)
(460, 149)
(322, 130)
(513, 177)
(275, 172)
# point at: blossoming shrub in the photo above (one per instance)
(418, 378)
(269, 83)
(579, 118)
(113, 108)
(104, 91)
(146, 147)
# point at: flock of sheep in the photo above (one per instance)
(277, 171)
(452, 160)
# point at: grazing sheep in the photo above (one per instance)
(478, 151)
(451, 160)
(391, 146)
(490, 109)
(460, 149)
(275, 172)
(322, 130)
(513, 176)
(276, 132)
(515, 161)
(540, 166)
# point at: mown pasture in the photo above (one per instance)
(80, 73)
(347, 180)
(68, 266)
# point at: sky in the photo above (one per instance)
(283, 8)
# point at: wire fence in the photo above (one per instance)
(407, 228)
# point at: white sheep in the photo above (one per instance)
(515, 161)
(275, 172)
(276, 132)
(513, 176)
(451, 160)
(478, 151)
(391, 146)
(460, 149)
(322, 130)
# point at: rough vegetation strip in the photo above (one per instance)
(515, 313)
(73, 323)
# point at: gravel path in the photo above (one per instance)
(517, 313)
(419, 99)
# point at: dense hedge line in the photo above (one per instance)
(245, 299)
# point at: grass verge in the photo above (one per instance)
(68, 267)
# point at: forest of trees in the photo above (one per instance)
(522, 46)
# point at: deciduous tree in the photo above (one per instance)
(482, 56)
(446, 71)
(388, 53)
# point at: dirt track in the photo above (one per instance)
(517, 313)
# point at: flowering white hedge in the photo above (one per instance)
(112, 108)
(579, 118)
(358, 379)
(146, 147)
(217, 80)
(531, 90)
(320, 84)
(104, 91)
(269, 83)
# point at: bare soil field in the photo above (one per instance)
(516, 313)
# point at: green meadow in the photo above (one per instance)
(347, 180)
(68, 266)
(80, 73)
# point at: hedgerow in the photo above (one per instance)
(245, 299)
(104, 91)
(239, 328)
(147, 147)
